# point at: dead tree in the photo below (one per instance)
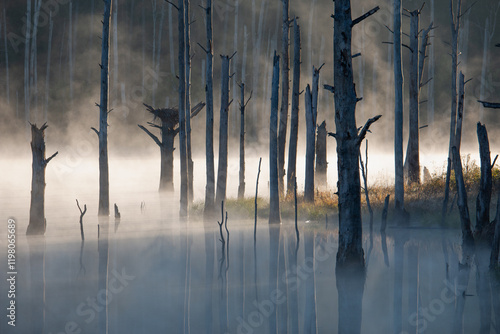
(187, 27)
(103, 111)
(310, 131)
(347, 136)
(364, 174)
(398, 113)
(220, 194)
(274, 201)
(495, 247)
(255, 203)
(285, 91)
(169, 128)
(486, 183)
(417, 58)
(321, 163)
(294, 119)
(243, 104)
(455, 26)
(209, 95)
(37, 223)
(183, 212)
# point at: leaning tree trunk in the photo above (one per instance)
(274, 200)
(182, 113)
(224, 109)
(209, 133)
(37, 208)
(285, 88)
(484, 197)
(398, 112)
(412, 153)
(348, 140)
(321, 163)
(103, 111)
(294, 120)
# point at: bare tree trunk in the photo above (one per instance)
(103, 111)
(495, 247)
(115, 55)
(484, 197)
(412, 163)
(348, 139)
(398, 112)
(223, 128)
(187, 26)
(274, 201)
(70, 52)
(321, 162)
(245, 54)
(294, 120)
(37, 223)
(47, 76)
(209, 132)
(455, 26)
(460, 111)
(310, 143)
(241, 187)
(182, 112)
(285, 88)
(364, 174)
(27, 43)
(234, 66)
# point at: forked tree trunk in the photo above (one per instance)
(209, 132)
(348, 139)
(398, 113)
(183, 212)
(486, 183)
(294, 120)
(223, 127)
(274, 201)
(285, 88)
(321, 163)
(37, 208)
(103, 111)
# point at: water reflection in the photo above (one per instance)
(37, 283)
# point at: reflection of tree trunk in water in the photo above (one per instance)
(255, 268)
(274, 246)
(483, 286)
(460, 295)
(399, 247)
(282, 309)
(37, 284)
(413, 279)
(240, 304)
(495, 296)
(293, 285)
(350, 286)
(310, 299)
(384, 247)
(187, 284)
(183, 237)
(103, 272)
(209, 276)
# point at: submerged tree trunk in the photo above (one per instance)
(294, 120)
(103, 111)
(223, 127)
(348, 139)
(398, 113)
(37, 222)
(274, 200)
(285, 88)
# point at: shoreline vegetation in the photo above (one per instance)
(423, 201)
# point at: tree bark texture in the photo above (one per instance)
(486, 183)
(321, 162)
(183, 212)
(241, 187)
(37, 222)
(310, 143)
(187, 26)
(294, 120)
(274, 201)
(398, 112)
